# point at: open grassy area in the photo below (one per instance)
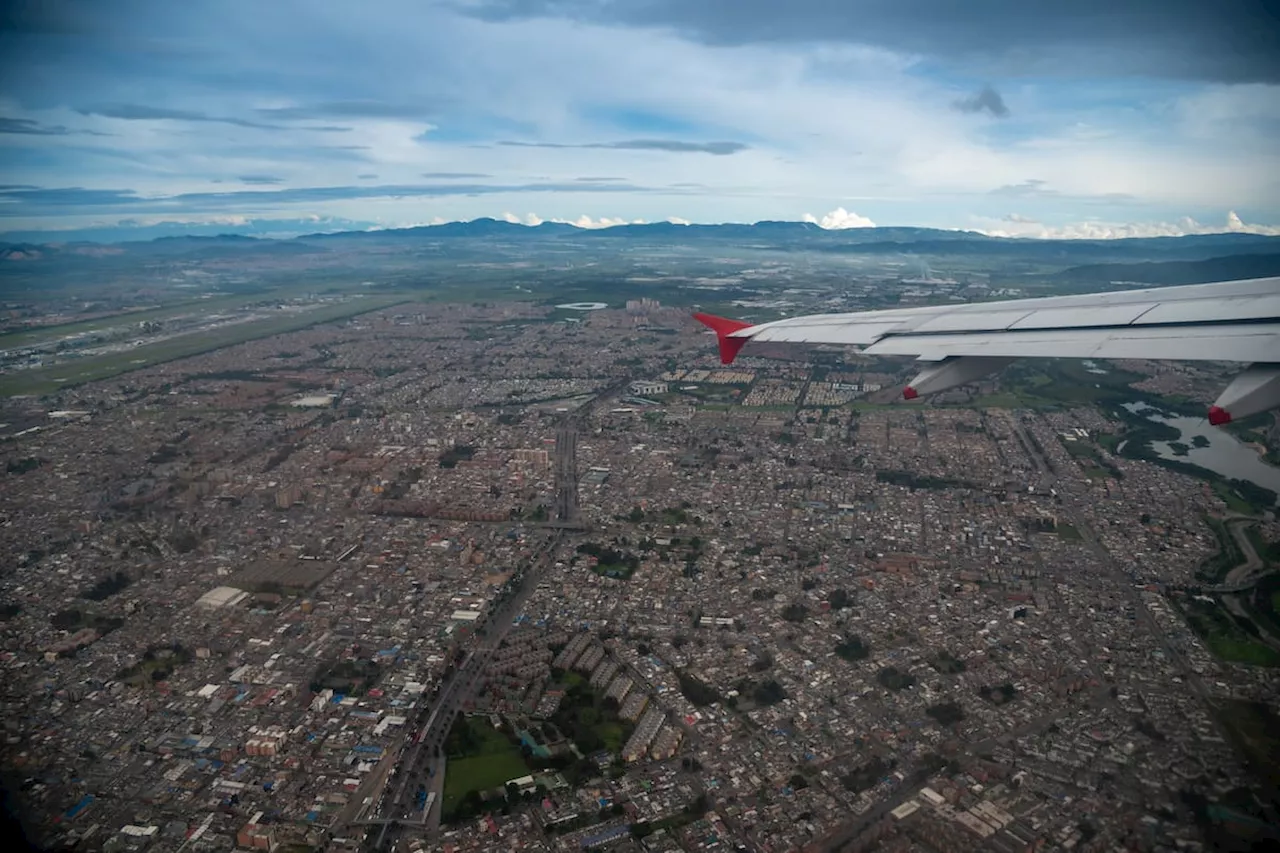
(1235, 502)
(79, 371)
(1067, 532)
(1215, 569)
(490, 760)
(1224, 636)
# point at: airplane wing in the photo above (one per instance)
(1228, 321)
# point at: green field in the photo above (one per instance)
(1225, 637)
(1067, 532)
(1234, 501)
(490, 761)
(50, 379)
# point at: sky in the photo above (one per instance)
(1097, 118)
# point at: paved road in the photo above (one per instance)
(423, 756)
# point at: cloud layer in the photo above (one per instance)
(909, 112)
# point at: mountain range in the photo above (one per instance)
(1205, 257)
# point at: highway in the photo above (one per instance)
(420, 763)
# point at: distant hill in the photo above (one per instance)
(1227, 268)
(1089, 258)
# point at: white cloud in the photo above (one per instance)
(840, 219)
(822, 122)
(1015, 225)
(676, 220)
(585, 221)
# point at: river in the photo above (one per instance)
(1223, 454)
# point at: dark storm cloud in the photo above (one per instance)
(1225, 41)
(987, 100)
(260, 179)
(18, 201)
(671, 145)
(34, 128)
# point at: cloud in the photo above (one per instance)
(31, 127)
(839, 219)
(449, 175)
(354, 109)
(591, 179)
(796, 92)
(260, 179)
(1013, 225)
(139, 112)
(676, 220)
(585, 221)
(367, 176)
(71, 200)
(1029, 187)
(672, 145)
(986, 100)
(1229, 41)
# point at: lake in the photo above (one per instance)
(1223, 454)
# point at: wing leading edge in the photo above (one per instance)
(1229, 321)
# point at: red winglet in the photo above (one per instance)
(723, 327)
(909, 393)
(1218, 416)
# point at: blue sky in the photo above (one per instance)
(1096, 119)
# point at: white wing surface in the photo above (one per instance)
(1228, 321)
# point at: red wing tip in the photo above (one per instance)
(720, 325)
(1219, 416)
(909, 393)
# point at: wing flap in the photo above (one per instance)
(1228, 342)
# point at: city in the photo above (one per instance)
(451, 577)
(714, 426)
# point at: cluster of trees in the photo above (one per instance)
(851, 648)
(919, 481)
(768, 692)
(73, 619)
(458, 453)
(611, 561)
(695, 691)
(158, 662)
(22, 466)
(947, 664)
(946, 713)
(795, 612)
(862, 778)
(999, 695)
(107, 587)
(894, 679)
(352, 677)
(839, 599)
